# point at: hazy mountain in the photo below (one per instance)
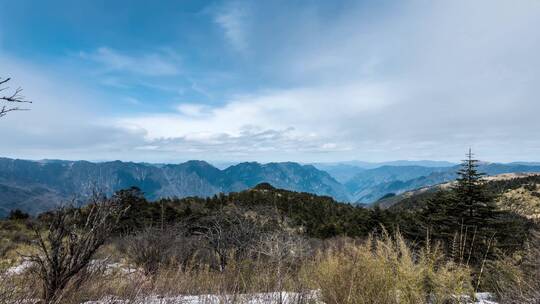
(371, 185)
(494, 168)
(421, 163)
(341, 172)
(395, 163)
(508, 184)
(35, 186)
(289, 175)
(38, 185)
(525, 163)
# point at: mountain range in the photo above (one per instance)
(370, 185)
(519, 192)
(36, 186)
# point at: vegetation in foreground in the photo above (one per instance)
(456, 242)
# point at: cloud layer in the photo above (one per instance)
(322, 82)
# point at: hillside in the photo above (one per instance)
(518, 192)
(371, 185)
(35, 186)
(38, 186)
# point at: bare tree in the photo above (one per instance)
(153, 248)
(12, 100)
(73, 236)
(230, 230)
(283, 249)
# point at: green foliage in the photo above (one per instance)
(466, 219)
(320, 216)
(17, 214)
(473, 205)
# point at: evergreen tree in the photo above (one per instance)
(474, 205)
(435, 219)
(17, 214)
(465, 218)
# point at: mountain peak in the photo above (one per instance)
(33, 188)
(264, 186)
(197, 163)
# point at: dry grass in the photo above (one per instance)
(382, 270)
(16, 288)
(15, 237)
(524, 201)
(516, 278)
(386, 270)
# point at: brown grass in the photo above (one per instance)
(377, 270)
(516, 278)
(386, 270)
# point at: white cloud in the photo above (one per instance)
(194, 110)
(421, 79)
(150, 64)
(232, 19)
(411, 79)
(66, 120)
(312, 112)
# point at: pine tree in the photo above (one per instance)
(464, 218)
(474, 205)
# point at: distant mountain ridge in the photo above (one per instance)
(35, 186)
(499, 183)
(370, 185)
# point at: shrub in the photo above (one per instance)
(72, 238)
(386, 270)
(154, 248)
(516, 278)
(17, 214)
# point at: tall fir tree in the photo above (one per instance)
(474, 205)
(465, 218)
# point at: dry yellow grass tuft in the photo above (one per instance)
(386, 270)
(524, 201)
(377, 270)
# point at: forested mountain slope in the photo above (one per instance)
(35, 186)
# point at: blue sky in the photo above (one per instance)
(305, 81)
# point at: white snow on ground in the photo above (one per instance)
(109, 268)
(257, 298)
(96, 265)
(481, 298)
(313, 296)
(484, 298)
(19, 269)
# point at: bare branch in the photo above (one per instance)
(10, 100)
(73, 236)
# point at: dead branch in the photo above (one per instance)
(10, 101)
(72, 238)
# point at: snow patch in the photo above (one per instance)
(19, 269)
(257, 298)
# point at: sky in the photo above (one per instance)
(306, 81)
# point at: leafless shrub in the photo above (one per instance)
(231, 230)
(154, 248)
(73, 236)
(282, 247)
(283, 251)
